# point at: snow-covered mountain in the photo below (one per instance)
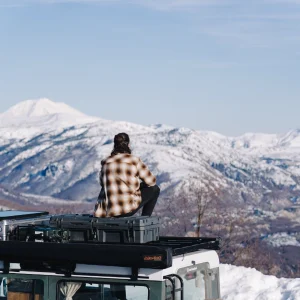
(33, 117)
(51, 149)
(37, 108)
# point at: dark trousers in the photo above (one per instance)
(149, 198)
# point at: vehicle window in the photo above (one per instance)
(98, 291)
(194, 281)
(21, 289)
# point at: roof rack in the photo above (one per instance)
(182, 245)
(63, 257)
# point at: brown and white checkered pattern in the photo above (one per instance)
(120, 180)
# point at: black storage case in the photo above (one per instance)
(84, 228)
(74, 227)
(36, 233)
(138, 230)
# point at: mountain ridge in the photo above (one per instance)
(61, 159)
(58, 112)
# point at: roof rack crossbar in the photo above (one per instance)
(191, 239)
(184, 245)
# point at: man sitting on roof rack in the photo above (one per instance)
(122, 194)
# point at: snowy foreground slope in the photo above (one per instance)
(239, 283)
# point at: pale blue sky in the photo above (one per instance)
(228, 66)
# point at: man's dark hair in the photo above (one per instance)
(121, 144)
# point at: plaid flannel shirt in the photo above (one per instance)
(120, 181)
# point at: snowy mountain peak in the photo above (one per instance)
(40, 107)
(32, 117)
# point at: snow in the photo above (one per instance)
(28, 153)
(4, 207)
(292, 139)
(41, 135)
(255, 140)
(33, 117)
(40, 107)
(282, 239)
(33, 199)
(240, 283)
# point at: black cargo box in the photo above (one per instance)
(138, 230)
(75, 227)
(83, 228)
(36, 233)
